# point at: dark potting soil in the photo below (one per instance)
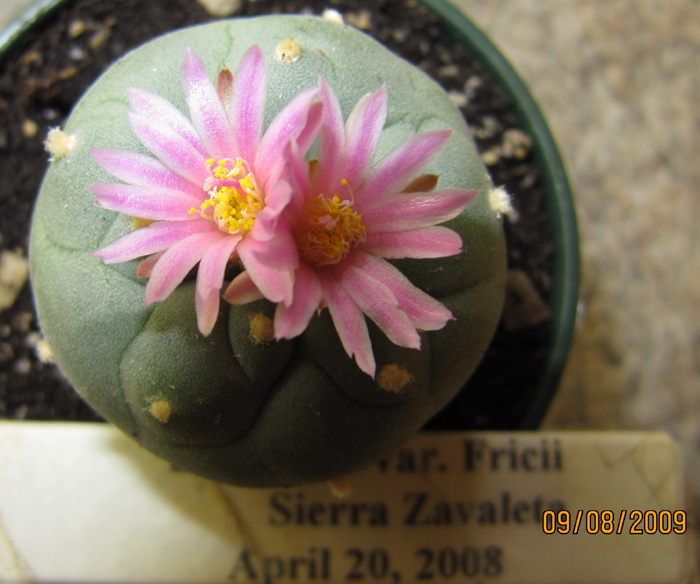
(44, 74)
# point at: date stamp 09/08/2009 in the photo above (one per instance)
(635, 522)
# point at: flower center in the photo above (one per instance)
(234, 199)
(330, 231)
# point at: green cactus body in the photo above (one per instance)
(235, 406)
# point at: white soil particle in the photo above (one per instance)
(451, 71)
(490, 128)
(361, 19)
(14, 270)
(29, 128)
(458, 98)
(76, 53)
(516, 144)
(474, 82)
(491, 157)
(221, 7)
(99, 38)
(332, 15)
(41, 347)
(76, 28)
(23, 366)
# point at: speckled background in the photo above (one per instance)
(619, 82)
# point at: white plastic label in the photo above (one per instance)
(82, 502)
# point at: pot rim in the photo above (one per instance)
(17, 28)
(559, 206)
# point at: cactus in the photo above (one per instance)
(263, 390)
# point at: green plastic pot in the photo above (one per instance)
(559, 207)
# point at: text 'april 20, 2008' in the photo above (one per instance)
(372, 564)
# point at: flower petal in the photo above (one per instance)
(376, 300)
(290, 321)
(158, 109)
(362, 131)
(349, 321)
(172, 267)
(210, 278)
(270, 220)
(207, 309)
(297, 120)
(296, 173)
(247, 105)
(428, 242)
(288, 188)
(206, 110)
(154, 203)
(425, 312)
(331, 140)
(142, 170)
(149, 240)
(279, 253)
(309, 132)
(398, 170)
(242, 290)
(404, 211)
(275, 283)
(146, 266)
(170, 148)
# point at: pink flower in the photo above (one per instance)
(216, 187)
(350, 217)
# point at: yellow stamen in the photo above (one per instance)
(330, 231)
(235, 207)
